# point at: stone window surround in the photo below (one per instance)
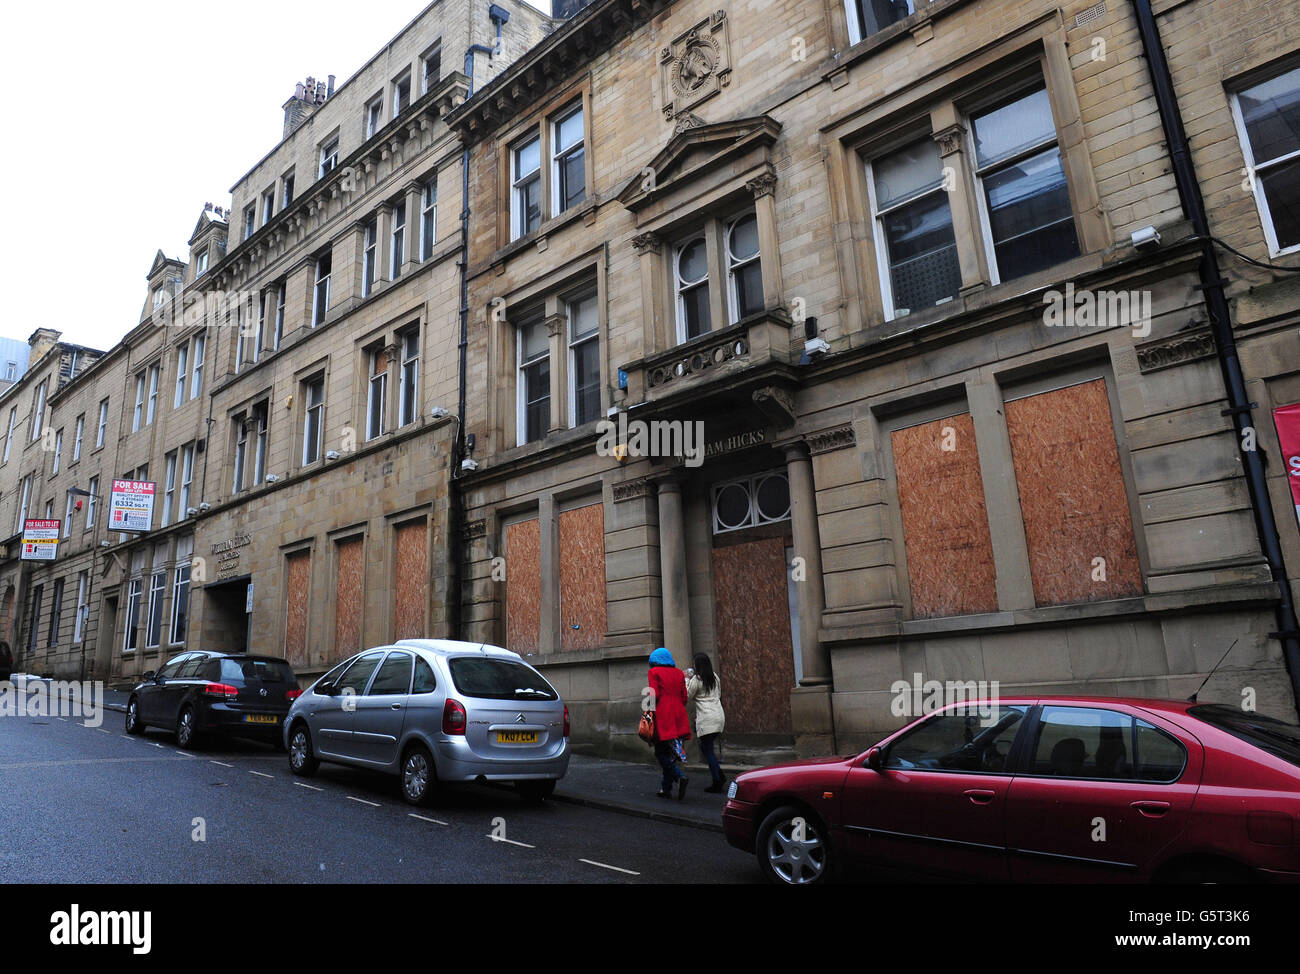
(387, 338)
(943, 102)
(1236, 87)
(982, 395)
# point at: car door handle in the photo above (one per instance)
(1151, 809)
(980, 796)
(396, 706)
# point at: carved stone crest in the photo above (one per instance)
(697, 65)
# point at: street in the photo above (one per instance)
(93, 805)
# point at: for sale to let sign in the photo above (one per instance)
(130, 505)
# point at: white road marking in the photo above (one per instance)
(364, 802)
(261, 775)
(61, 718)
(424, 819)
(154, 743)
(605, 865)
(497, 838)
(222, 763)
(102, 731)
(302, 784)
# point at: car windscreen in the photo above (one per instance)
(266, 670)
(1266, 733)
(499, 679)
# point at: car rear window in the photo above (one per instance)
(499, 679)
(266, 670)
(1269, 734)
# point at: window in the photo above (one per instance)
(93, 487)
(180, 602)
(187, 480)
(584, 360)
(429, 218)
(56, 614)
(744, 267)
(313, 423)
(260, 415)
(201, 264)
(1024, 202)
(169, 490)
(58, 452)
(374, 116)
(425, 681)
(49, 510)
(9, 437)
(401, 94)
(153, 634)
(286, 190)
(760, 499)
(568, 162)
(68, 507)
(377, 395)
(409, 386)
(866, 17)
(196, 378)
(76, 439)
(137, 417)
(430, 68)
(250, 221)
(38, 410)
(914, 234)
(1268, 125)
(321, 298)
(691, 267)
(329, 156)
(11, 368)
(38, 597)
(397, 252)
(534, 410)
(1082, 742)
(23, 505)
(526, 205)
(83, 604)
(131, 639)
(279, 316)
(358, 674)
(103, 423)
(394, 677)
(153, 393)
(962, 739)
(268, 205)
(368, 256)
(241, 424)
(182, 374)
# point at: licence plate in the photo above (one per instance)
(516, 737)
(261, 719)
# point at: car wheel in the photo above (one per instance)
(793, 848)
(133, 723)
(535, 792)
(419, 777)
(301, 761)
(187, 735)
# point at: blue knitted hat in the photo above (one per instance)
(661, 657)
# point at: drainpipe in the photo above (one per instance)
(455, 515)
(1216, 302)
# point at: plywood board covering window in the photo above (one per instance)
(582, 577)
(523, 585)
(347, 596)
(945, 523)
(295, 630)
(412, 580)
(1072, 497)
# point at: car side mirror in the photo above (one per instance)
(146, 676)
(325, 689)
(875, 759)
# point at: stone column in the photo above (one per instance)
(548, 522)
(807, 546)
(672, 568)
(648, 247)
(414, 192)
(557, 323)
(764, 189)
(950, 134)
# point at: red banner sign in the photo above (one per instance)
(1287, 421)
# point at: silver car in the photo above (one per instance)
(434, 711)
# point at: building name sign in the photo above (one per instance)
(739, 441)
(227, 555)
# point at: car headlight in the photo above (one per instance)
(732, 788)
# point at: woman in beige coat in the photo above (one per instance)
(704, 689)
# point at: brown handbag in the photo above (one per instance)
(646, 729)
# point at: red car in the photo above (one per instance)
(1077, 789)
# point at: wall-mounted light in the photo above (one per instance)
(191, 511)
(469, 465)
(1148, 238)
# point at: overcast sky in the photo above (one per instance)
(123, 119)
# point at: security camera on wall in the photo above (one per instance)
(439, 412)
(191, 511)
(332, 455)
(205, 506)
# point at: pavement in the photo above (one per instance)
(625, 787)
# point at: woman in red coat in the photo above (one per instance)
(668, 686)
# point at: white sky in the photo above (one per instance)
(123, 119)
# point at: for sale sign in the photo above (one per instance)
(1287, 420)
(40, 539)
(130, 505)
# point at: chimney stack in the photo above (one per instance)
(307, 97)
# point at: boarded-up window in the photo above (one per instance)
(348, 591)
(582, 577)
(1072, 496)
(298, 571)
(945, 523)
(412, 580)
(523, 585)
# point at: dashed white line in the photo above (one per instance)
(222, 763)
(498, 838)
(605, 865)
(261, 774)
(303, 784)
(102, 731)
(364, 802)
(423, 818)
(64, 719)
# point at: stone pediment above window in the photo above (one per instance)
(696, 150)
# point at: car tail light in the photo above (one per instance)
(566, 720)
(292, 694)
(221, 690)
(453, 718)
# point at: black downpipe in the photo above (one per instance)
(1216, 302)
